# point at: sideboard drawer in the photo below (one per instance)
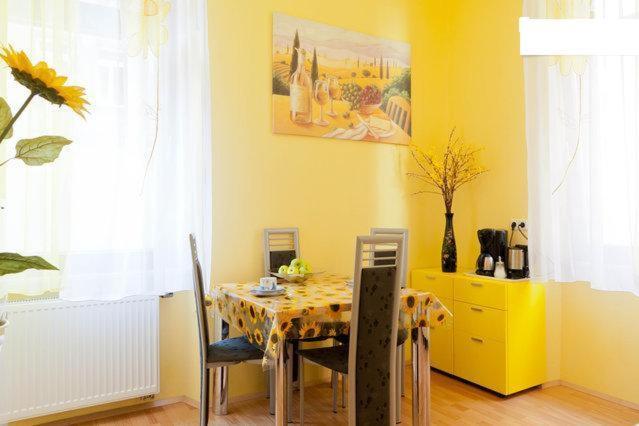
(480, 360)
(441, 342)
(480, 321)
(437, 283)
(480, 291)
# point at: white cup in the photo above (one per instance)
(268, 283)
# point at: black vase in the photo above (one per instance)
(449, 247)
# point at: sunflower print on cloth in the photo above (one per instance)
(321, 306)
(310, 330)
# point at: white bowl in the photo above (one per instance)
(294, 278)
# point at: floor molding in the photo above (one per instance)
(117, 411)
(628, 404)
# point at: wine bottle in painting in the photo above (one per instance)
(301, 92)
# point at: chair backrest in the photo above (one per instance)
(200, 303)
(394, 231)
(373, 331)
(281, 245)
(398, 110)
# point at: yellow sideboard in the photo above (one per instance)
(497, 336)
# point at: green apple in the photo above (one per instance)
(283, 269)
(304, 270)
(293, 270)
(296, 263)
(306, 266)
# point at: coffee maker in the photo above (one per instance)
(517, 262)
(493, 244)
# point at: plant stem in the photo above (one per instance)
(15, 117)
(6, 161)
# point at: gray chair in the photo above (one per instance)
(403, 335)
(219, 355)
(381, 257)
(281, 245)
(370, 356)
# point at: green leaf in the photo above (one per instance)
(12, 263)
(5, 117)
(38, 151)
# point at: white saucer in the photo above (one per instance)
(260, 292)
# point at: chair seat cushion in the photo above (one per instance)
(234, 349)
(402, 335)
(333, 357)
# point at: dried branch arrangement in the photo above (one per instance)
(448, 172)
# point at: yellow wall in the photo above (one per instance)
(332, 190)
(592, 336)
(466, 73)
(601, 341)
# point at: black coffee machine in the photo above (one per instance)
(494, 245)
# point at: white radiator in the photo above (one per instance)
(60, 356)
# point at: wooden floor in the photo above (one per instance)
(453, 402)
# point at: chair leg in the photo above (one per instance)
(204, 396)
(289, 381)
(221, 391)
(271, 389)
(403, 369)
(334, 386)
(343, 391)
(398, 385)
(300, 378)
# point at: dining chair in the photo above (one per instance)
(403, 232)
(281, 245)
(398, 109)
(218, 355)
(370, 356)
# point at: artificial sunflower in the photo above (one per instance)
(43, 81)
(249, 335)
(309, 330)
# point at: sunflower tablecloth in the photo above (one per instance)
(318, 307)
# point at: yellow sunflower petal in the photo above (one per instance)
(44, 80)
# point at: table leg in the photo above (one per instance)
(421, 380)
(271, 391)
(280, 388)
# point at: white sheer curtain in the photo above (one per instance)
(582, 123)
(113, 228)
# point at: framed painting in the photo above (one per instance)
(335, 83)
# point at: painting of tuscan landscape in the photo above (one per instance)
(334, 83)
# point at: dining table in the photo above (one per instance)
(320, 307)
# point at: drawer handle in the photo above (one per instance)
(477, 339)
(429, 277)
(476, 309)
(477, 284)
